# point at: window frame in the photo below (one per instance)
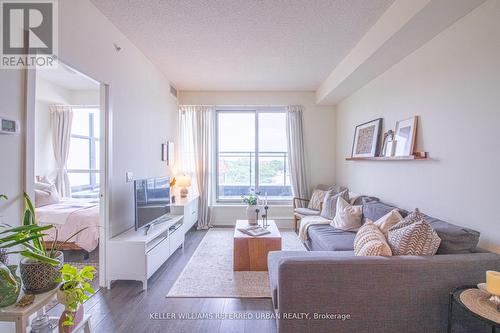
(93, 170)
(255, 111)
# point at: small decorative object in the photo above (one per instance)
(26, 300)
(72, 293)
(10, 285)
(184, 182)
(257, 211)
(41, 324)
(388, 144)
(164, 152)
(251, 200)
(366, 139)
(264, 217)
(493, 287)
(405, 136)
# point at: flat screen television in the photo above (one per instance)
(152, 201)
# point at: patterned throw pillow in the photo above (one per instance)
(370, 241)
(413, 236)
(330, 203)
(347, 217)
(316, 199)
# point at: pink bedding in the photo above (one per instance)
(69, 216)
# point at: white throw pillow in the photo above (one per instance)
(48, 196)
(347, 216)
(389, 220)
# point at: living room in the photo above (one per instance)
(308, 166)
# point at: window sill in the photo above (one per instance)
(229, 204)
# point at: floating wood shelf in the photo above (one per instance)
(388, 158)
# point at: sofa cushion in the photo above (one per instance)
(330, 203)
(347, 216)
(305, 211)
(413, 236)
(454, 239)
(327, 238)
(374, 209)
(316, 199)
(370, 241)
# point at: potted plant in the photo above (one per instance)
(251, 200)
(73, 292)
(10, 285)
(39, 266)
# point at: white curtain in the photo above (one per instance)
(296, 153)
(61, 119)
(197, 126)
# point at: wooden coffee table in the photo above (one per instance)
(250, 253)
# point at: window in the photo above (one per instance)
(83, 157)
(252, 154)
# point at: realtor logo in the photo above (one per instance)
(29, 33)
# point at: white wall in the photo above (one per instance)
(319, 137)
(453, 84)
(144, 114)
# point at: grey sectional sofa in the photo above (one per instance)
(328, 289)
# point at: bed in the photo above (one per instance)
(68, 216)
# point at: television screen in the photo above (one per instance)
(152, 200)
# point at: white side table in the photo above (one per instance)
(20, 315)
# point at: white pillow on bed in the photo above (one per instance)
(46, 196)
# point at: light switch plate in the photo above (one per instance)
(130, 176)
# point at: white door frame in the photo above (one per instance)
(105, 155)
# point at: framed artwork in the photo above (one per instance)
(405, 136)
(366, 139)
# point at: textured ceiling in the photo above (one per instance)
(244, 44)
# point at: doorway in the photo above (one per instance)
(67, 149)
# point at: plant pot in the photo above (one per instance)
(251, 215)
(77, 319)
(39, 277)
(10, 285)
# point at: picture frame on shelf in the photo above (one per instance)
(366, 139)
(405, 136)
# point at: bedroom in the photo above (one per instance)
(67, 136)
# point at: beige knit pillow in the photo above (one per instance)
(387, 221)
(347, 217)
(316, 199)
(370, 241)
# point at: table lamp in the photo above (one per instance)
(184, 182)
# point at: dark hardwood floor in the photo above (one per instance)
(127, 308)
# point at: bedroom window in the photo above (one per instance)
(252, 154)
(83, 158)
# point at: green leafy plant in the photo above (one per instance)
(76, 288)
(30, 235)
(250, 199)
(3, 197)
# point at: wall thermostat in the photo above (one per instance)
(9, 126)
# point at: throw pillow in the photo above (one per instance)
(347, 217)
(389, 220)
(413, 236)
(316, 199)
(330, 203)
(47, 196)
(370, 241)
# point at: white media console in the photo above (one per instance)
(136, 255)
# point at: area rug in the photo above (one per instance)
(209, 272)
